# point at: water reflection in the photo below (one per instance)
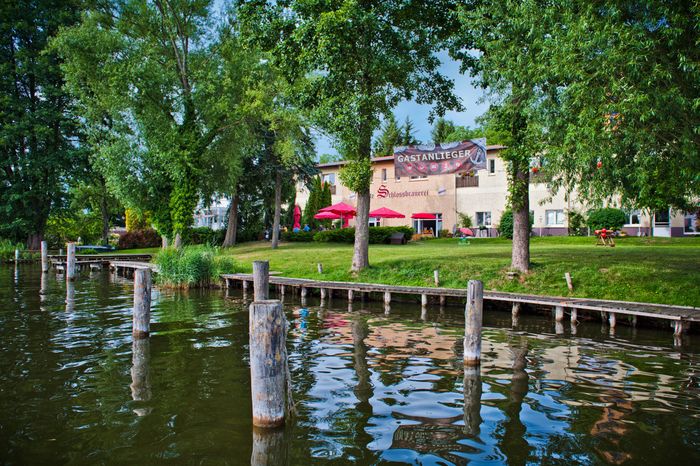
(370, 387)
(141, 373)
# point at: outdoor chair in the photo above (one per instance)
(397, 238)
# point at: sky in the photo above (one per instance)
(471, 99)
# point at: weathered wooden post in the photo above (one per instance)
(443, 298)
(569, 284)
(60, 251)
(323, 294)
(70, 262)
(44, 256)
(473, 317)
(70, 297)
(350, 297)
(574, 316)
(303, 292)
(423, 300)
(559, 313)
(140, 373)
(472, 400)
(268, 363)
(142, 303)
(436, 277)
(515, 314)
(387, 298)
(612, 319)
(319, 266)
(261, 280)
(16, 256)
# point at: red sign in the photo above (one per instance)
(440, 159)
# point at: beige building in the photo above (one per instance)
(482, 197)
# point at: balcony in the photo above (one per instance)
(467, 182)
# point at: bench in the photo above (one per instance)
(397, 238)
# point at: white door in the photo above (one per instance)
(662, 223)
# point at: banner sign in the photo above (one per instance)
(440, 159)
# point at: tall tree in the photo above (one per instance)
(151, 71)
(38, 131)
(358, 59)
(408, 137)
(442, 129)
(389, 138)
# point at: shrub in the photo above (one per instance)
(191, 266)
(577, 223)
(205, 235)
(608, 217)
(299, 236)
(377, 235)
(445, 234)
(465, 220)
(148, 238)
(505, 227)
(87, 251)
(7, 250)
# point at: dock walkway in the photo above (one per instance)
(680, 316)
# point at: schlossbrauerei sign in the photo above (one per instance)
(440, 159)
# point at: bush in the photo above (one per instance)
(300, 236)
(445, 234)
(191, 266)
(608, 217)
(148, 238)
(7, 250)
(205, 235)
(465, 221)
(377, 235)
(577, 223)
(505, 227)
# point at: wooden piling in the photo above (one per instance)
(142, 303)
(303, 292)
(443, 298)
(267, 362)
(569, 283)
(261, 280)
(612, 320)
(473, 317)
(44, 256)
(574, 315)
(515, 311)
(559, 313)
(16, 256)
(436, 277)
(679, 327)
(70, 262)
(423, 300)
(323, 294)
(387, 298)
(350, 297)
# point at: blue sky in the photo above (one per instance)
(471, 100)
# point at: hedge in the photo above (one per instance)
(205, 235)
(505, 227)
(606, 218)
(299, 236)
(377, 235)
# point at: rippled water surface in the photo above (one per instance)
(370, 388)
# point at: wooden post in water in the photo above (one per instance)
(436, 277)
(140, 373)
(472, 400)
(387, 297)
(142, 303)
(268, 361)
(303, 292)
(558, 313)
(70, 262)
(269, 447)
(323, 294)
(473, 318)
(423, 300)
(515, 313)
(16, 256)
(60, 251)
(442, 298)
(612, 319)
(574, 316)
(350, 296)
(261, 280)
(44, 256)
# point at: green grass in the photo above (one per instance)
(657, 270)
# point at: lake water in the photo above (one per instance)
(370, 388)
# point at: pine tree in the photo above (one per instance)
(389, 138)
(407, 137)
(442, 130)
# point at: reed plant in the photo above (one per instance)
(7, 250)
(192, 266)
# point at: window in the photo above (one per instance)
(373, 222)
(483, 218)
(691, 222)
(329, 178)
(554, 217)
(383, 174)
(419, 177)
(634, 217)
(492, 166)
(662, 217)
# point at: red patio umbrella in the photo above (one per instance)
(344, 210)
(386, 213)
(424, 216)
(326, 216)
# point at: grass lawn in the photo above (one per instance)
(657, 270)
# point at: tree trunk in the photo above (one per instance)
(520, 259)
(232, 227)
(278, 208)
(177, 242)
(34, 241)
(105, 220)
(360, 256)
(163, 241)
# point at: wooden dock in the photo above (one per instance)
(132, 265)
(679, 316)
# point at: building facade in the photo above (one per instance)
(483, 197)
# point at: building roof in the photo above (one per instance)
(391, 157)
